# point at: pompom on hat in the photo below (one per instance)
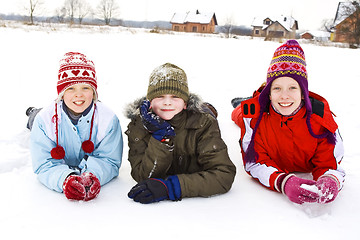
(168, 79)
(76, 68)
(288, 61)
(87, 146)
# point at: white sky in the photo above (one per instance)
(309, 13)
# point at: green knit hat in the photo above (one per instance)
(168, 79)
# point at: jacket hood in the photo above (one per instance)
(195, 104)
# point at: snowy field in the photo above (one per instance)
(218, 69)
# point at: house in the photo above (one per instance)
(194, 22)
(321, 36)
(275, 27)
(345, 22)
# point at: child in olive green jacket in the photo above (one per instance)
(175, 146)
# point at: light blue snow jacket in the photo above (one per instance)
(104, 161)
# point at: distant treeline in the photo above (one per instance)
(164, 25)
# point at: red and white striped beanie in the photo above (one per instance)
(76, 68)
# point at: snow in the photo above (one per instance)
(218, 69)
(311, 188)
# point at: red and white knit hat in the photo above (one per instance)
(76, 68)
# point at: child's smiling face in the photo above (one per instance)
(285, 95)
(78, 97)
(167, 106)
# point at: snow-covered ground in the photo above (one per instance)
(218, 69)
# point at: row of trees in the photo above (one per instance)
(77, 10)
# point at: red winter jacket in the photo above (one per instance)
(284, 144)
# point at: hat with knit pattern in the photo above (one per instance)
(168, 79)
(76, 68)
(288, 61)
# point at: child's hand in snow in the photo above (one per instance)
(298, 194)
(84, 187)
(92, 185)
(328, 189)
(73, 189)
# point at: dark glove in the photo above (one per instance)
(298, 191)
(84, 187)
(158, 127)
(328, 189)
(156, 189)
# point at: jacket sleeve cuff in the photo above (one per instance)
(278, 181)
(283, 182)
(174, 188)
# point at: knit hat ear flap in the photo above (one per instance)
(57, 152)
(251, 155)
(87, 146)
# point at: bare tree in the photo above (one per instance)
(32, 7)
(327, 24)
(228, 27)
(60, 14)
(82, 10)
(107, 10)
(70, 6)
(349, 18)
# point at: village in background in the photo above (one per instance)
(341, 29)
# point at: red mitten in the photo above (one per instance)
(91, 184)
(73, 188)
(328, 188)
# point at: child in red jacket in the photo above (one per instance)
(286, 129)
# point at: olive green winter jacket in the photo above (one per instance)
(197, 154)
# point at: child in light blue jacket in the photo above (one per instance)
(76, 142)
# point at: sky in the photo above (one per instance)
(309, 13)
